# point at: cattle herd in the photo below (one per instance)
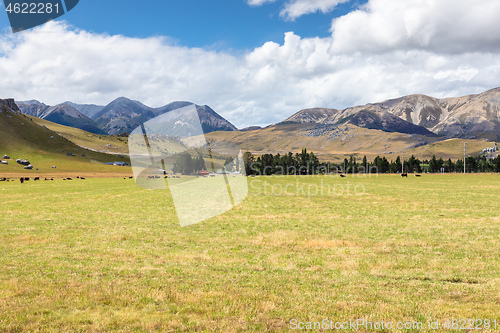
(157, 177)
(25, 179)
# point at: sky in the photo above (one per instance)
(255, 62)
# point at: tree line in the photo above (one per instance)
(306, 163)
(186, 164)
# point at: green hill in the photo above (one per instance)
(113, 144)
(23, 138)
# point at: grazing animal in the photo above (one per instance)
(21, 180)
(83, 178)
(36, 178)
(130, 177)
(418, 175)
(3, 179)
(404, 175)
(343, 176)
(69, 178)
(26, 179)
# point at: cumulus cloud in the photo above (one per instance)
(373, 54)
(296, 8)
(445, 26)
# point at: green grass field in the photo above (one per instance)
(104, 255)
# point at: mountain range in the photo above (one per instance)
(472, 116)
(120, 116)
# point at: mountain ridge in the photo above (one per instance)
(121, 115)
(470, 116)
(63, 114)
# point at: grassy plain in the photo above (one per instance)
(105, 255)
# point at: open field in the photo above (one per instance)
(105, 255)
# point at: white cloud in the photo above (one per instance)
(447, 26)
(258, 2)
(440, 48)
(296, 8)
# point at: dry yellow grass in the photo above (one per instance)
(104, 255)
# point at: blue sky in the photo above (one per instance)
(255, 62)
(220, 24)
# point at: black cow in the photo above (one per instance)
(404, 175)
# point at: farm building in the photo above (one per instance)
(490, 150)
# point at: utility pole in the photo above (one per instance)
(403, 162)
(464, 156)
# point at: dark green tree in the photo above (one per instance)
(449, 166)
(433, 164)
(496, 163)
(414, 164)
(248, 163)
(470, 164)
(199, 163)
(396, 166)
(184, 164)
